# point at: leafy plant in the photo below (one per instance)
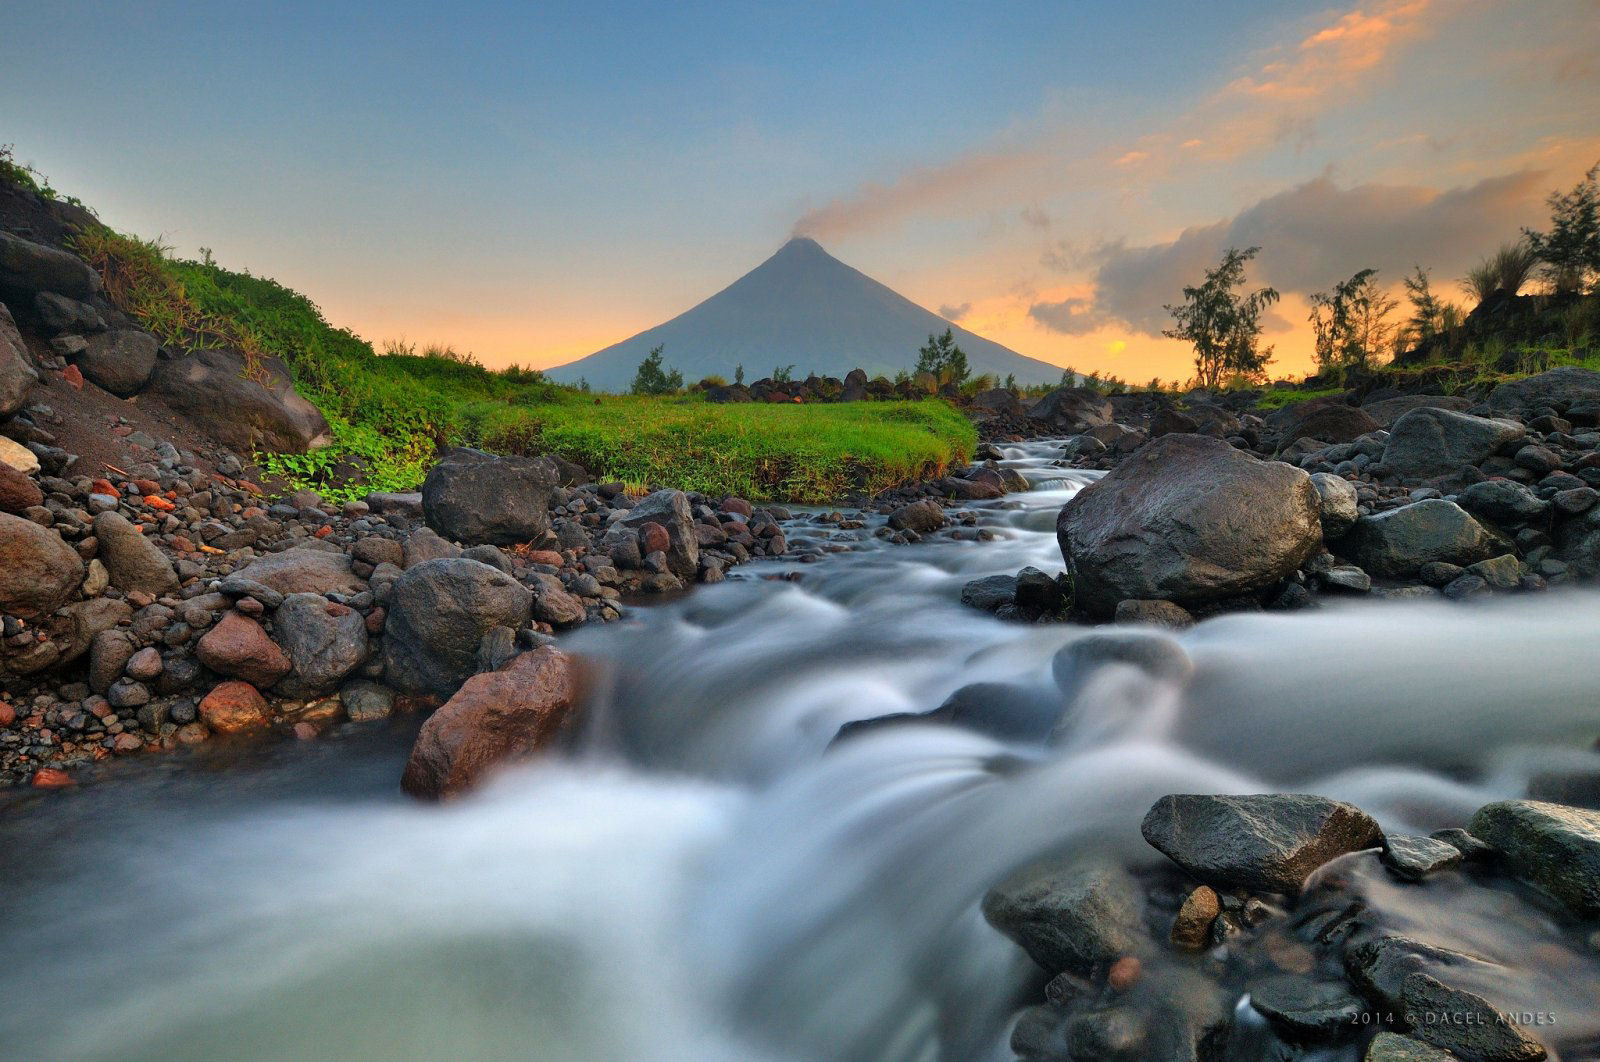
(941, 358)
(653, 379)
(1570, 251)
(1351, 323)
(1224, 326)
(1507, 270)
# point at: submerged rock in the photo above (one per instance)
(1552, 846)
(1069, 914)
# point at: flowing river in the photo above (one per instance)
(704, 878)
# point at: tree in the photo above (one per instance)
(652, 379)
(1011, 381)
(945, 361)
(1427, 309)
(1571, 249)
(1351, 323)
(1223, 325)
(738, 374)
(783, 374)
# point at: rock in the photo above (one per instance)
(1380, 966)
(366, 701)
(40, 570)
(1303, 1009)
(1414, 858)
(1392, 1047)
(1398, 542)
(477, 498)
(1268, 843)
(921, 517)
(493, 719)
(1191, 929)
(1332, 421)
(438, 612)
(996, 400)
(109, 653)
(425, 544)
(493, 556)
(17, 491)
(401, 503)
(324, 642)
(303, 571)
(1557, 388)
(1336, 498)
(133, 561)
(1386, 411)
(1005, 710)
(17, 374)
(991, 593)
(1504, 572)
(1153, 613)
(1502, 501)
(1187, 519)
(375, 551)
(17, 457)
(120, 361)
(145, 665)
(1551, 846)
(1156, 656)
(1069, 914)
(1430, 443)
(60, 315)
(245, 407)
(558, 608)
(1464, 1024)
(1069, 410)
(670, 509)
(29, 268)
(1109, 1034)
(234, 708)
(238, 647)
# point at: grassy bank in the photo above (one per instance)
(390, 413)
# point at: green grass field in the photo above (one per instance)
(393, 412)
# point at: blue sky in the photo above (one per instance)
(533, 182)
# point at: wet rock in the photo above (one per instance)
(1069, 410)
(134, 562)
(494, 718)
(1039, 1034)
(1153, 614)
(921, 517)
(40, 570)
(234, 708)
(1380, 966)
(1188, 519)
(1398, 542)
(1304, 1009)
(1551, 846)
(238, 647)
(476, 498)
(991, 593)
(670, 509)
(1464, 1024)
(303, 571)
(1392, 1047)
(1191, 929)
(1429, 443)
(1156, 656)
(1336, 498)
(1109, 1034)
(324, 641)
(1069, 914)
(438, 612)
(1414, 858)
(120, 361)
(366, 701)
(1005, 710)
(1268, 842)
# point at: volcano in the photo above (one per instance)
(801, 307)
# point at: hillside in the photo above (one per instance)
(805, 308)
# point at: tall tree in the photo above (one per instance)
(1571, 249)
(1351, 323)
(653, 379)
(941, 357)
(1223, 324)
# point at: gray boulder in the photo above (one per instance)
(303, 571)
(1551, 846)
(439, 611)
(1072, 409)
(1188, 519)
(1337, 503)
(325, 642)
(40, 570)
(1398, 542)
(1330, 421)
(17, 374)
(920, 516)
(1269, 843)
(1557, 388)
(120, 361)
(477, 498)
(1070, 915)
(670, 509)
(1432, 443)
(245, 407)
(1385, 411)
(1503, 501)
(28, 268)
(61, 315)
(133, 561)
(999, 400)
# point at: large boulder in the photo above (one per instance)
(1385, 411)
(18, 491)
(1552, 846)
(1557, 389)
(245, 407)
(1431, 443)
(1188, 519)
(1072, 409)
(1339, 501)
(494, 718)
(27, 268)
(133, 561)
(478, 498)
(40, 570)
(998, 400)
(1331, 420)
(120, 361)
(325, 641)
(1398, 542)
(17, 374)
(439, 611)
(1070, 914)
(235, 707)
(303, 571)
(670, 509)
(1268, 842)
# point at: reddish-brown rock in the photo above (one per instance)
(17, 490)
(494, 718)
(239, 648)
(653, 538)
(51, 778)
(234, 708)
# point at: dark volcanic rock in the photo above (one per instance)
(1414, 858)
(1386, 411)
(1072, 409)
(670, 509)
(1429, 443)
(921, 517)
(246, 407)
(478, 498)
(134, 562)
(1464, 1024)
(239, 648)
(1187, 519)
(1329, 422)
(1069, 914)
(29, 268)
(303, 571)
(1270, 842)
(325, 642)
(1305, 1009)
(1336, 497)
(121, 361)
(1554, 847)
(1398, 542)
(40, 571)
(439, 610)
(1558, 388)
(17, 374)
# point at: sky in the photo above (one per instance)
(533, 182)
